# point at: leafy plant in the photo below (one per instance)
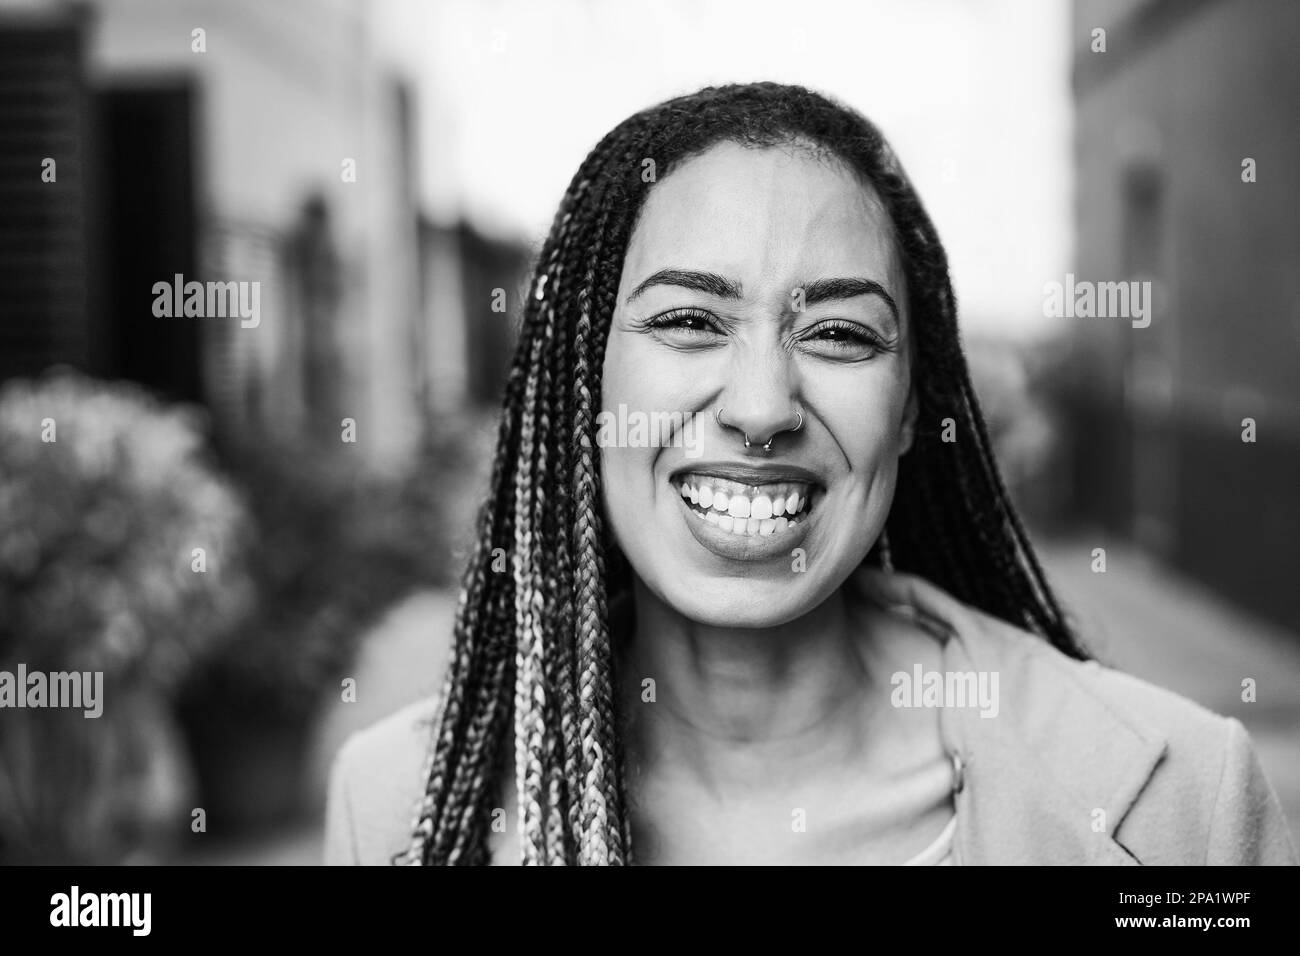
(105, 495)
(122, 551)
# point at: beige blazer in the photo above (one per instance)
(1081, 765)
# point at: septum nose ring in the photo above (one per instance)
(767, 445)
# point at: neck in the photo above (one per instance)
(736, 707)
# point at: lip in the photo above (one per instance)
(743, 547)
(765, 474)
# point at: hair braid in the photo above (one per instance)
(550, 642)
(599, 812)
(530, 695)
(556, 521)
(558, 662)
(593, 635)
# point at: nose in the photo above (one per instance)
(759, 402)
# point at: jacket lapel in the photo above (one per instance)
(1050, 777)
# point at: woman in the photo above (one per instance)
(687, 642)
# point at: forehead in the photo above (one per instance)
(765, 216)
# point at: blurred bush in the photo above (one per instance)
(104, 495)
(213, 680)
(338, 546)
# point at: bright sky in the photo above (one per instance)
(973, 94)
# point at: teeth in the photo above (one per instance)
(746, 510)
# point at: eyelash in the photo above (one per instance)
(863, 336)
(674, 319)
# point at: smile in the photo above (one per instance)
(765, 509)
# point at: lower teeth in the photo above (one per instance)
(748, 526)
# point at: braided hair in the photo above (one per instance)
(533, 662)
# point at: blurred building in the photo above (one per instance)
(469, 277)
(231, 141)
(1189, 101)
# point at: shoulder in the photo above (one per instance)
(1184, 783)
(1036, 677)
(374, 783)
(1206, 799)
(1045, 676)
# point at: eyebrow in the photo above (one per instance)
(834, 290)
(817, 291)
(708, 282)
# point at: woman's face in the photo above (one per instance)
(761, 282)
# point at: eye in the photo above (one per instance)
(684, 327)
(838, 338)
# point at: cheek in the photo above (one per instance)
(627, 390)
(864, 415)
(643, 374)
(630, 374)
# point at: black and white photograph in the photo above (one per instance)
(718, 433)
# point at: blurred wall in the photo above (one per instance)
(1166, 115)
(474, 288)
(230, 162)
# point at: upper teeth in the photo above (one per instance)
(745, 509)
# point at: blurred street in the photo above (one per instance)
(1137, 616)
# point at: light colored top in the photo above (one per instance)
(940, 850)
(938, 853)
(1073, 745)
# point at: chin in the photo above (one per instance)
(753, 618)
(733, 603)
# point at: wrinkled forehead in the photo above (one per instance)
(766, 216)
